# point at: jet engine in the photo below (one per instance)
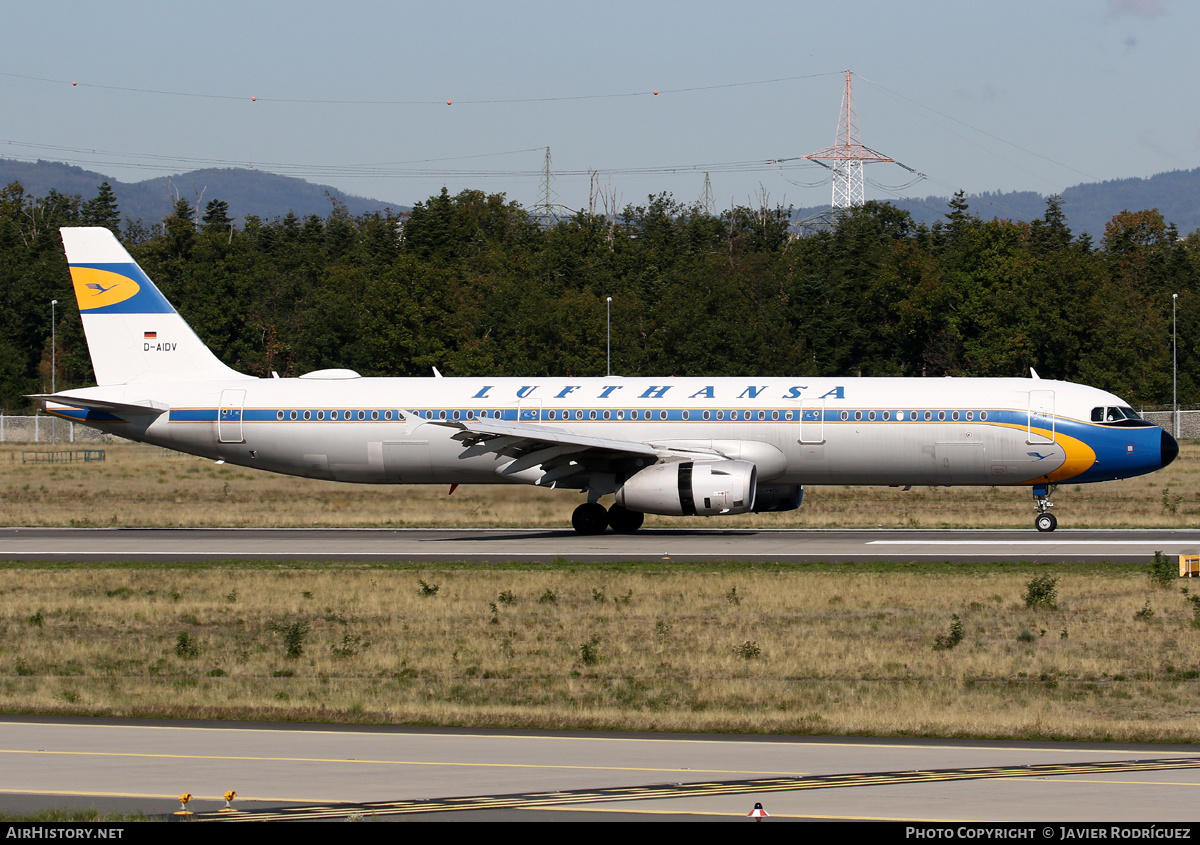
(688, 488)
(774, 498)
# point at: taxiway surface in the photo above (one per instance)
(514, 544)
(127, 764)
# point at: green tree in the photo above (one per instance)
(102, 210)
(216, 217)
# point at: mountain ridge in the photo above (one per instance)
(1088, 206)
(248, 192)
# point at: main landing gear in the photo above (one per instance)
(592, 518)
(1044, 521)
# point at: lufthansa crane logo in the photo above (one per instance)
(96, 288)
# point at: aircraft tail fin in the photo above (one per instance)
(133, 333)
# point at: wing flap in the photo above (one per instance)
(515, 439)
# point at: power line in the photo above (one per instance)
(353, 102)
(403, 170)
(393, 170)
(980, 131)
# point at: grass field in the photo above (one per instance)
(138, 486)
(811, 650)
(814, 649)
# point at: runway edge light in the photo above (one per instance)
(183, 802)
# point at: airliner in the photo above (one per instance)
(662, 445)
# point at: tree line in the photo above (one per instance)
(473, 285)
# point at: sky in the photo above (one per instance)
(976, 96)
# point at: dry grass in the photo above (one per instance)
(135, 487)
(832, 651)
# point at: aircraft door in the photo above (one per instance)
(812, 421)
(229, 416)
(1041, 427)
(529, 410)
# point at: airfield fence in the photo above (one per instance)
(62, 456)
(47, 429)
(1189, 421)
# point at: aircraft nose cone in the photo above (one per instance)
(1170, 448)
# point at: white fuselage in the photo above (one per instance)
(796, 431)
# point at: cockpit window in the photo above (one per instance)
(1118, 415)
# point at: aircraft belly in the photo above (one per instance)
(193, 438)
(869, 454)
(1013, 460)
(961, 462)
(919, 455)
(309, 451)
(407, 461)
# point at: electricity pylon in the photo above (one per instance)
(847, 155)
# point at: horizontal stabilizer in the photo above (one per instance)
(66, 400)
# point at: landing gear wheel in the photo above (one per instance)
(623, 520)
(1044, 521)
(590, 518)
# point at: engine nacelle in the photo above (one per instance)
(689, 488)
(775, 498)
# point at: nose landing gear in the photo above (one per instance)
(1044, 521)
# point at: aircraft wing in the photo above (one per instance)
(560, 453)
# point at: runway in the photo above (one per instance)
(533, 545)
(553, 776)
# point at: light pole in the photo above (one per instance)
(608, 347)
(1174, 369)
(53, 363)
(53, 346)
